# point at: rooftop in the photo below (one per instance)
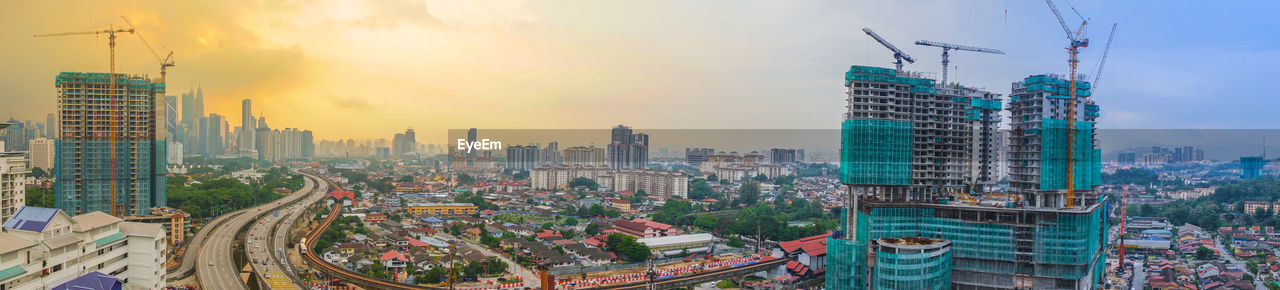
(677, 240)
(30, 218)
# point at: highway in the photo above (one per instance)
(268, 242)
(194, 244)
(216, 268)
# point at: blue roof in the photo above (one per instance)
(1157, 232)
(433, 220)
(30, 218)
(94, 280)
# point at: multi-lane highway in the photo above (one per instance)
(268, 240)
(215, 266)
(194, 244)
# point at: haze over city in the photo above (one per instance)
(435, 65)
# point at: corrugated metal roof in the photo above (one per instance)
(30, 218)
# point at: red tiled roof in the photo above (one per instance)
(545, 234)
(393, 255)
(792, 246)
(339, 194)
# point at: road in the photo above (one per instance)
(194, 244)
(267, 248)
(217, 268)
(1139, 281)
(1257, 281)
(527, 278)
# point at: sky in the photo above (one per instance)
(370, 69)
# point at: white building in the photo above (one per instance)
(44, 246)
(13, 183)
(42, 153)
(174, 151)
(653, 182)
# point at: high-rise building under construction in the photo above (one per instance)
(84, 161)
(920, 218)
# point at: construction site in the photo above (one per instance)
(918, 159)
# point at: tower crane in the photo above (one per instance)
(1124, 216)
(898, 55)
(1076, 40)
(1106, 50)
(946, 49)
(165, 63)
(111, 95)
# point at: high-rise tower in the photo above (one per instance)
(84, 156)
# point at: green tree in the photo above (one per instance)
(713, 178)
(749, 193)
(1204, 253)
(38, 172)
(734, 241)
(571, 221)
(584, 182)
(627, 247)
(761, 178)
(592, 229)
(700, 190)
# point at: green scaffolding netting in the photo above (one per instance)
(876, 74)
(928, 270)
(1067, 247)
(1053, 156)
(875, 152)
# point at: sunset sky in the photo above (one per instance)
(369, 69)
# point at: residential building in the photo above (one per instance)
(782, 156)
(60, 248)
(523, 158)
(441, 209)
(734, 166)
(653, 182)
(695, 156)
(905, 151)
(83, 169)
(628, 150)
(42, 152)
(403, 143)
(13, 179)
(584, 156)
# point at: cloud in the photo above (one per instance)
(350, 102)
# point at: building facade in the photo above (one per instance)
(13, 182)
(441, 209)
(584, 156)
(43, 153)
(45, 246)
(628, 150)
(84, 158)
(905, 146)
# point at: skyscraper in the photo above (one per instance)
(628, 150)
(522, 158)
(782, 155)
(695, 156)
(403, 143)
(248, 129)
(171, 118)
(83, 169)
(214, 133)
(51, 126)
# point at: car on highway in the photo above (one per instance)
(210, 263)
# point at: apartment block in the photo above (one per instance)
(84, 158)
(45, 246)
(43, 153)
(902, 135)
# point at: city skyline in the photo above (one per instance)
(239, 50)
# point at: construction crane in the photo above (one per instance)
(1105, 50)
(1124, 215)
(1076, 40)
(898, 55)
(946, 49)
(111, 95)
(165, 62)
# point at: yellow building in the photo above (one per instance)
(1251, 207)
(442, 209)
